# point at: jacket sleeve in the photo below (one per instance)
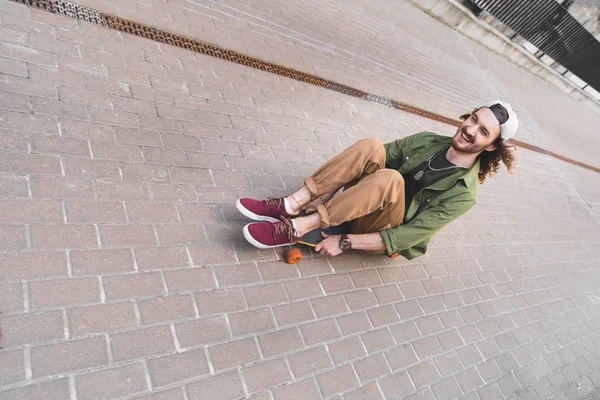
(393, 150)
(425, 224)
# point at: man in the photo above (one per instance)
(397, 195)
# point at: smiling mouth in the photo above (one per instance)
(466, 138)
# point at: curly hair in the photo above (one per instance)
(489, 161)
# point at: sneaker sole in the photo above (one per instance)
(251, 215)
(258, 244)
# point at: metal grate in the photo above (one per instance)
(68, 9)
(553, 30)
(91, 15)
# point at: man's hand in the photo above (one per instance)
(312, 206)
(371, 242)
(329, 246)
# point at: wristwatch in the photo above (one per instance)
(345, 242)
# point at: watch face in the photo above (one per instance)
(345, 244)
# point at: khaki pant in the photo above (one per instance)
(373, 196)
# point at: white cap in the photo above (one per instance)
(509, 128)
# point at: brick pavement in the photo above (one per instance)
(124, 274)
(389, 48)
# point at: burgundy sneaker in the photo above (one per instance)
(263, 210)
(266, 235)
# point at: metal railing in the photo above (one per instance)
(551, 28)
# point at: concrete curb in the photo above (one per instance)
(459, 18)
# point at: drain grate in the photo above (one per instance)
(68, 9)
(87, 14)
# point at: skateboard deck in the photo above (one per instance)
(314, 237)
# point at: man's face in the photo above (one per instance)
(477, 133)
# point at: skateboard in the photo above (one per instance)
(311, 239)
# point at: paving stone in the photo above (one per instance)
(423, 373)
(69, 356)
(114, 382)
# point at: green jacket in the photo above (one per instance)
(433, 207)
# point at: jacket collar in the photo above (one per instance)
(470, 177)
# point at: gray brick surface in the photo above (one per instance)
(124, 271)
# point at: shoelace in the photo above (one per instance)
(274, 201)
(285, 227)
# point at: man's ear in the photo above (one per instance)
(495, 143)
(491, 147)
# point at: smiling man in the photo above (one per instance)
(396, 196)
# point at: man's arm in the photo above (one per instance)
(371, 242)
(392, 241)
(414, 232)
(425, 224)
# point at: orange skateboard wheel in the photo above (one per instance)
(395, 255)
(293, 255)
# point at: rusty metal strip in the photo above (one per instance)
(87, 14)
(553, 154)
